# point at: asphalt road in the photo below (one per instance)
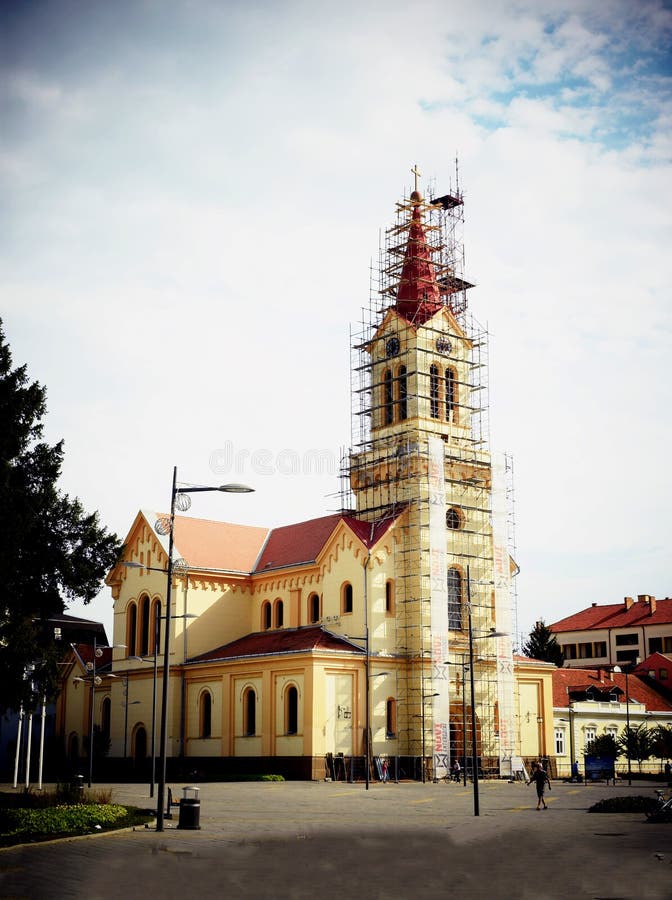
(307, 840)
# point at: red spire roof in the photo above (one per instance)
(418, 296)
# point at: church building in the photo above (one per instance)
(307, 649)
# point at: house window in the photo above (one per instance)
(205, 715)
(143, 648)
(599, 649)
(586, 651)
(434, 392)
(591, 733)
(627, 640)
(346, 598)
(279, 613)
(388, 399)
(662, 674)
(389, 597)
(451, 399)
(391, 718)
(291, 710)
(249, 712)
(655, 645)
(402, 388)
(612, 730)
(559, 741)
(266, 616)
(314, 608)
(454, 600)
(453, 519)
(131, 628)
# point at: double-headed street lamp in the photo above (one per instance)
(179, 497)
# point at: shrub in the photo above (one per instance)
(18, 825)
(624, 805)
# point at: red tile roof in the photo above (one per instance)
(615, 615)
(85, 653)
(308, 639)
(291, 545)
(581, 679)
(206, 544)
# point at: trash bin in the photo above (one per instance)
(190, 809)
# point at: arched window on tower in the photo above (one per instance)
(346, 598)
(388, 398)
(451, 396)
(205, 715)
(402, 388)
(454, 600)
(156, 626)
(291, 710)
(131, 628)
(314, 608)
(453, 519)
(434, 392)
(390, 718)
(266, 616)
(389, 597)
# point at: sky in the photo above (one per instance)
(192, 197)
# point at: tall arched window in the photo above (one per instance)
(434, 392)
(388, 399)
(131, 628)
(205, 714)
(389, 597)
(453, 519)
(156, 626)
(291, 710)
(346, 598)
(279, 613)
(451, 392)
(454, 600)
(402, 389)
(143, 648)
(266, 616)
(314, 608)
(249, 712)
(390, 718)
(105, 717)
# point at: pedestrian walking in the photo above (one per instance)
(540, 779)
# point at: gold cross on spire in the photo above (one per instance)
(415, 171)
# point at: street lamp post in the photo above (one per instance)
(628, 739)
(95, 680)
(179, 495)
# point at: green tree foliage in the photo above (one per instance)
(51, 550)
(604, 745)
(636, 743)
(661, 742)
(542, 644)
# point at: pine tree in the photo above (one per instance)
(542, 644)
(51, 551)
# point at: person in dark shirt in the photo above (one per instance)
(540, 779)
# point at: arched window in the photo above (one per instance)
(454, 600)
(143, 648)
(291, 710)
(434, 392)
(388, 415)
(451, 395)
(249, 712)
(389, 597)
(205, 714)
(390, 718)
(314, 608)
(105, 717)
(140, 743)
(266, 616)
(346, 598)
(453, 519)
(156, 626)
(402, 393)
(131, 628)
(279, 613)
